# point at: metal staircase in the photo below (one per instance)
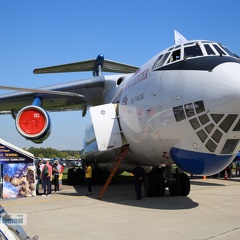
(114, 167)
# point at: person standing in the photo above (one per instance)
(46, 176)
(38, 176)
(139, 174)
(56, 172)
(88, 178)
(62, 167)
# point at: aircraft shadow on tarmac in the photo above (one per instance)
(220, 183)
(201, 183)
(124, 194)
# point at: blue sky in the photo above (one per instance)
(44, 33)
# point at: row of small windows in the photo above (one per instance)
(198, 107)
(191, 109)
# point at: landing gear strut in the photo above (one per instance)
(158, 179)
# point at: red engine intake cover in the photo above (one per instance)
(32, 121)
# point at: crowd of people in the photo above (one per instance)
(48, 175)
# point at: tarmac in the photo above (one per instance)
(210, 212)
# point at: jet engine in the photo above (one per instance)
(33, 123)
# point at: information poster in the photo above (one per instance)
(17, 171)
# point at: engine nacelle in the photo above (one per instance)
(33, 123)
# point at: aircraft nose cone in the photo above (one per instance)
(223, 88)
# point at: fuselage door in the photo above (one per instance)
(106, 127)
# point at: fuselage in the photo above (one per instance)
(182, 106)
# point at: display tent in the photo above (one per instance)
(17, 172)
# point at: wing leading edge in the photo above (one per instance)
(89, 65)
(91, 89)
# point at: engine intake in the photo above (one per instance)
(33, 123)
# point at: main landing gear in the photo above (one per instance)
(159, 179)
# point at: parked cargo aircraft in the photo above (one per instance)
(182, 107)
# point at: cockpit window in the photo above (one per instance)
(209, 50)
(187, 44)
(160, 61)
(176, 55)
(229, 51)
(190, 50)
(156, 64)
(193, 51)
(220, 51)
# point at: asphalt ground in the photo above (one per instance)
(210, 211)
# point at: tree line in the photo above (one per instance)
(53, 153)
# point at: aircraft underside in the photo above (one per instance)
(158, 177)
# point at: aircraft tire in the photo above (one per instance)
(185, 184)
(148, 186)
(71, 176)
(160, 186)
(98, 176)
(80, 176)
(174, 187)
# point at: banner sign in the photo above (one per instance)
(11, 155)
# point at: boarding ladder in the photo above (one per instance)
(114, 167)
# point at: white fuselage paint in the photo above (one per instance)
(146, 101)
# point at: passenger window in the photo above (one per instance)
(193, 51)
(209, 50)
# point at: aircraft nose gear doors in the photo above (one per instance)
(161, 178)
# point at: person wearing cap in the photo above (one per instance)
(56, 172)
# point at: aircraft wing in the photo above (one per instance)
(83, 66)
(86, 92)
(30, 107)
